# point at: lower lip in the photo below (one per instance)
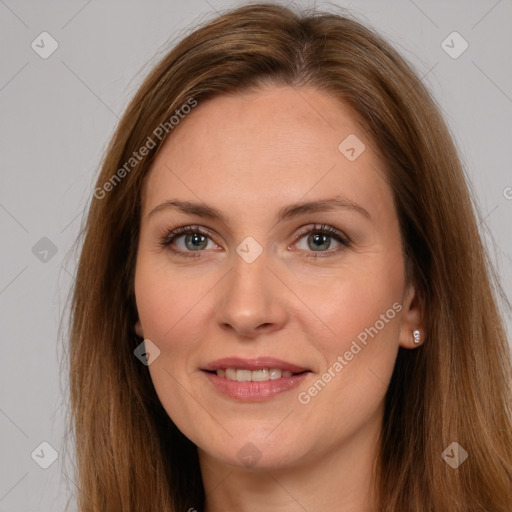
(254, 391)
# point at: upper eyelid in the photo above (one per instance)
(303, 230)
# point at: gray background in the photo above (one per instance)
(57, 115)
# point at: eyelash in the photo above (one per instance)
(323, 229)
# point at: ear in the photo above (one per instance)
(138, 329)
(411, 319)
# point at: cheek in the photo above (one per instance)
(175, 310)
(366, 297)
(170, 310)
(167, 303)
(354, 311)
(358, 339)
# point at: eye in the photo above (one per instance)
(187, 240)
(192, 238)
(319, 240)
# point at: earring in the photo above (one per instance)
(416, 334)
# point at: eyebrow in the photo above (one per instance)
(287, 212)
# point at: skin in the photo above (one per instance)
(249, 155)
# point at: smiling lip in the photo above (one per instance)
(254, 391)
(253, 364)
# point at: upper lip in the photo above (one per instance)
(257, 363)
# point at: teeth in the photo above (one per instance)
(261, 375)
(243, 375)
(275, 373)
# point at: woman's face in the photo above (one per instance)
(278, 317)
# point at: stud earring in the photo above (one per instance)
(416, 334)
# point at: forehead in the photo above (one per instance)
(274, 145)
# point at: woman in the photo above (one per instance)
(282, 300)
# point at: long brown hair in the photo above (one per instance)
(455, 388)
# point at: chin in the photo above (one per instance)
(255, 452)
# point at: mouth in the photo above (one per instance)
(254, 379)
(261, 375)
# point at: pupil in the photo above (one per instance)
(320, 238)
(196, 239)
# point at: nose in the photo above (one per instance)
(253, 300)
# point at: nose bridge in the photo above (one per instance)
(252, 299)
(248, 277)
